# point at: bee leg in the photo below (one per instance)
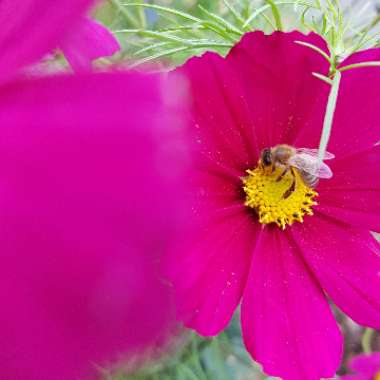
(282, 175)
(292, 187)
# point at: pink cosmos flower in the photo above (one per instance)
(364, 367)
(87, 41)
(261, 95)
(90, 199)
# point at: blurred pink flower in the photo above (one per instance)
(263, 94)
(91, 196)
(32, 28)
(364, 367)
(86, 42)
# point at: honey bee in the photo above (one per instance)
(304, 159)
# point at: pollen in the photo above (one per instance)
(278, 195)
(377, 376)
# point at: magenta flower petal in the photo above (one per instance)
(241, 98)
(37, 26)
(286, 319)
(372, 54)
(210, 281)
(364, 367)
(368, 364)
(88, 41)
(353, 194)
(91, 198)
(278, 91)
(363, 112)
(358, 129)
(222, 141)
(343, 260)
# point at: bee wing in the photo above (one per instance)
(314, 153)
(310, 164)
(323, 171)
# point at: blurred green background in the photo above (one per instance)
(167, 32)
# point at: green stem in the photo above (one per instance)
(160, 55)
(262, 9)
(141, 13)
(329, 116)
(238, 17)
(360, 65)
(276, 14)
(163, 9)
(366, 340)
(315, 48)
(324, 78)
(128, 16)
(223, 23)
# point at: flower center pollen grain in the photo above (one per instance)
(278, 195)
(377, 376)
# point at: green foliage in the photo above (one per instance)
(220, 358)
(178, 30)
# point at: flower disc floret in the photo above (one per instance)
(278, 195)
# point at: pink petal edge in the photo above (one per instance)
(37, 26)
(287, 324)
(353, 194)
(346, 262)
(88, 41)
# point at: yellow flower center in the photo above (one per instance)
(278, 195)
(377, 376)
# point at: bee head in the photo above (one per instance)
(266, 157)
